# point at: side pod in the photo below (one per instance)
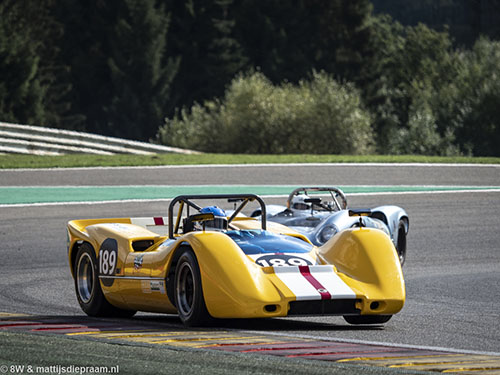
(366, 260)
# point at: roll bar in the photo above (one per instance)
(188, 200)
(332, 190)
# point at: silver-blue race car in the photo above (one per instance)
(308, 212)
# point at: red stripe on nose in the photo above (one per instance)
(304, 270)
(158, 221)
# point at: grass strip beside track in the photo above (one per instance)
(84, 160)
(52, 194)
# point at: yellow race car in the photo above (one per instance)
(203, 263)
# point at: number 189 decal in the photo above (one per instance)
(107, 262)
(108, 254)
(281, 260)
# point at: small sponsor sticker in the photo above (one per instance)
(157, 286)
(138, 262)
(153, 286)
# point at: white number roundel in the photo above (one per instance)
(281, 260)
(107, 262)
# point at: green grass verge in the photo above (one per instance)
(77, 160)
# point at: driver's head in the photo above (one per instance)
(299, 202)
(220, 220)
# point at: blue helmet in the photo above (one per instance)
(213, 210)
(220, 220)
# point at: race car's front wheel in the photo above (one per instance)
(188, 291)
(88, 289)
(367, 319)
(401, 242)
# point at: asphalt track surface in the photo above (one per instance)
(452, 270)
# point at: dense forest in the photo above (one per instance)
(466, 20)
(252, 76)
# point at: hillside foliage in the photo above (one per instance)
(252, 76)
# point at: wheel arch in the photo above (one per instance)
(391, 216)
(406, 221)
(73, 251)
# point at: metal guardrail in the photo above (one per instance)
(37, 140)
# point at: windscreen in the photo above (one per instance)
(261, 241)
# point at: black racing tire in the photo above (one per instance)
(88, 288)
(367, 319)
(188, 291)
(401, 242)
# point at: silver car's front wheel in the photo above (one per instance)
(401, 242)
(188, 291)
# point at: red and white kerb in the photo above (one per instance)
(314, 282)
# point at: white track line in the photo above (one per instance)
(205, 166)
(260, 186)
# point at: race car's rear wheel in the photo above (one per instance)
(188, 291)
(401, 242)
(367, 319)
(88, 288)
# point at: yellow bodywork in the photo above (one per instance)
(366, 260)
(234, 286)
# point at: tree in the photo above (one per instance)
(467, 20)
(472, 99)
(140, 73)
(288, 40)
(33, 85)
(408, 64)
(202, 36)
(344, 33)
(274, 35)
(119, 64)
